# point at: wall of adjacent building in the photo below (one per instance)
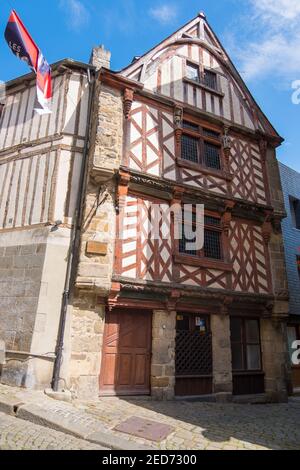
(40, 164)
(291, 187)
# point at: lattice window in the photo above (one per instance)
(201, 145)
(212, 156)
(212, 238)
(193, 353)
(210, 79)
(212, 244)
(189, 148)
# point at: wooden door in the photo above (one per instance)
(126, 355)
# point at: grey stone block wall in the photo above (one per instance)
(291, 187)
(21, 270)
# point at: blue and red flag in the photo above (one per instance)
(24, 47)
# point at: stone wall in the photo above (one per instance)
(95, 269)
(275, 359)
(163, 355)
(87, 327)
(22, 258)
(222, 368)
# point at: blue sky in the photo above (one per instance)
(262, 36)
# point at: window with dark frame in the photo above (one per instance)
(293, 334)
(212, 239)
(295, 211)
(193, 72)
(245, 344)
(201, 146)
(210, 79)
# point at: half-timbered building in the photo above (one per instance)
(146, 315)
(179, 126)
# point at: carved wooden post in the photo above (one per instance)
(226, 146)
(178, 116)
(267, 227)
(128, 100)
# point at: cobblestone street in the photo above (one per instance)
(191, 425)
(210, 426)
(16, 434)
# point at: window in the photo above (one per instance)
(191, 126)
(293, 333)
(245, 344)
(295, 211)
(202, 146)
(212, 156)
(193, 72)
(210, 79)
(212, 239)
(190, 148)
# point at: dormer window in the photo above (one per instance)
(193, 72)
(206, 78)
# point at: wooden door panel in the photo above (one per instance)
(126, 355)
(109, 365)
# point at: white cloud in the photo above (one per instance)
(76, 13)
(277, 9)
(164, 13)
(275, 51)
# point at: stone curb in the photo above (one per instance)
(76, 423)
(9, 404)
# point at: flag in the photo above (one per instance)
(23, 46)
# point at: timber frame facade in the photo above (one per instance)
(174, 322)
(145, 316)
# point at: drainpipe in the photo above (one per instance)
(75, 240)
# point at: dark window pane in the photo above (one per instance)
(253, 357)
(192, 72)
(188, 236)
(183, 323)
(190, 125)
(252, 331)
(292, 337)
(208, 220)
(210, 79)
(189, 148)
(236, 329)
(210, 133)
(212, 244)
(237, 357)
(212, 156)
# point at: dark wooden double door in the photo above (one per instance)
(126, 354)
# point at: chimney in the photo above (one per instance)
(100, 57)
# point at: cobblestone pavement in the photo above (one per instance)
(210, 426)
(196, 425)
(16, 434)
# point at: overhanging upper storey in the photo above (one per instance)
(192, 67)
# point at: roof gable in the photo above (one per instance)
(162, 70)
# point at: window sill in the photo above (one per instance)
(205, 170)
(202, 262)
(204, 87)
